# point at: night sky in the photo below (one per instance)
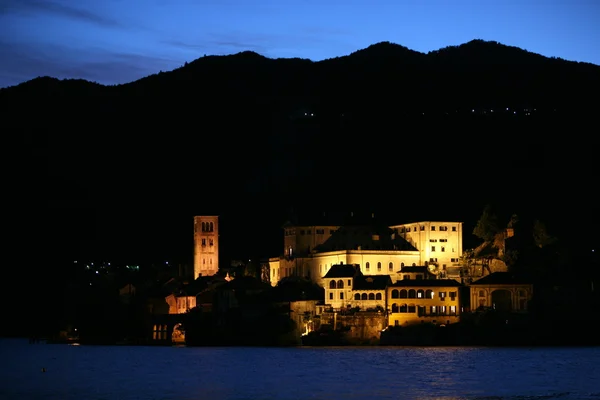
(117, 41)
(114, 41)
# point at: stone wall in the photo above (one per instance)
(365, 327)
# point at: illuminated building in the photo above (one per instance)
(501, 291)
(206, 245)
(405, 302)
(311, 250)
(414, 301)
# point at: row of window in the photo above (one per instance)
(442, 228)
(291, 232)
(368, 266)
(365, 296)
(422, 310)
(378, 296)
(442, 249)
(420, 294)
(159, 332)
(208, 227)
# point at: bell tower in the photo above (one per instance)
(206, 245)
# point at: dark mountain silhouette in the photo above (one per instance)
(417, 136)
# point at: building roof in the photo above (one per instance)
(426, 283)
(343, 271)
(371, 282)
(500, 278)
(365, 237)
(296, 289)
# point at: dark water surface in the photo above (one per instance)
(180, 373)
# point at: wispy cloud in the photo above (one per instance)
(267, 44)
(57, 7)
(22, 62)
(217, 46)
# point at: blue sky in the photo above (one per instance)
(118, 41)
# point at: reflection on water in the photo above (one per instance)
(450, 373)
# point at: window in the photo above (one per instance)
(378, 266)
(330, 296)
(357, 296)
(203, 242)
(367, 265)
(391, 266)
(341, 295)
(432, 248)
(453, 229)
(433, 228)
(378, 296)
(210, 242)
(443, 249)
(349, 282)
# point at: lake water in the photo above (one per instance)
(219, 373)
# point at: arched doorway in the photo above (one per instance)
(178, 335)
(501, 300)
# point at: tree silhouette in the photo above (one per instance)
(487, 226)
(541, 236)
